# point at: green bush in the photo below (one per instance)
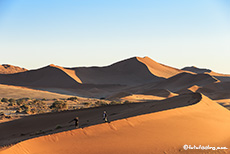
(58, 105)
(58, 127)
(115, 102)
(5, 100)
(101, 103)
(86, 103)
(11, 100)
(22, 100)
(24, 109)
(72, 98)
(126, 102)
(38, 102)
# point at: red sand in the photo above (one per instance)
(205, 123)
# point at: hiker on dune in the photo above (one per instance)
(105, 116)
(76, 122)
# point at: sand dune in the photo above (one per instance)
(219, 76)
(9, 69)
(27, 127)
(49, 76)
(127, 72)
(132, 71)
(19, 92)
(69, 72)
(160, 92)
(160, 69)
(220, 90)
(134, 75)
(186, 80)
(197, 70)
(204, 123)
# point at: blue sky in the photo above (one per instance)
(99, 32)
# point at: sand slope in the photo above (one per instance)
(132, 71)
(10, 69)
(127, 72)
(160, 69)
(48, 76)
(186, 80)
(20, 92)
(205, 123)
(219, 76)
(220, 90)
(160, 93)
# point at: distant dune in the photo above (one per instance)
(220, 90)
(134, 75)
(197, 70)
(10, 69)
(133, 71)
(203, 70)
(160, 92)
(20, 92)
(48, 76)
(160, 69)
(186, 80)
(204, 123)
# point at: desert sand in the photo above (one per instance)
(10, 91)
(165, 109)
(202, 122)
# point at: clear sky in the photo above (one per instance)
(35, 33)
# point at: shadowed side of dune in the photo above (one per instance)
(205, 123)
(186, 80)
(126, 72)
(220, 90)
(45, 77)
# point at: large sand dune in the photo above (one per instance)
(134, 75)
(198, 121)
(127, 72)
(133, 71)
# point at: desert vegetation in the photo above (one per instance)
(26, 106)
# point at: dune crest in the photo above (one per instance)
(69, 72)
(160, 69)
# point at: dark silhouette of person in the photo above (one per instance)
(76, 122)
(105, 117)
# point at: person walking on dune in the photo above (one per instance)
(105, 116)
(76, 122)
